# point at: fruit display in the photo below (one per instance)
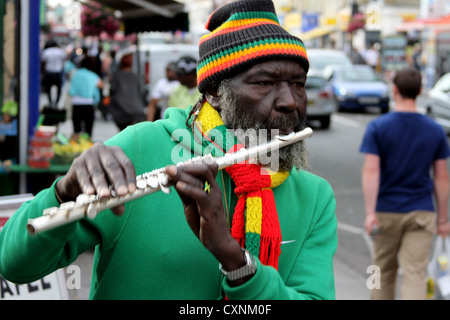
(49, 147)
(66, 150)
(40, 151)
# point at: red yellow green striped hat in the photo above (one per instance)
(242, 34)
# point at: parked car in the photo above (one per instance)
(320, 59)
(358, 87)
(438, 102)
(320, 100)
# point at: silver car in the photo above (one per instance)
(320, 96)
(321, 104)
(438, 102)
(320, 59)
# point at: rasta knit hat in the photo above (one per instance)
(244, 33)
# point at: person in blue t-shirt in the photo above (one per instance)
(401, 149)
(84, 90)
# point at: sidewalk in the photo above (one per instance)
(349, 284)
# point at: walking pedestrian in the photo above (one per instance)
(53, 58)
(186, 94)
(400, 149)
(84, 91)
(127, 102)
(161, 92)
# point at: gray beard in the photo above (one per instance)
(295, 155)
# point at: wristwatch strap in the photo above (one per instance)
(248, 269)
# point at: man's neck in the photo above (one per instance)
(405, 105)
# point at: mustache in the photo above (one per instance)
(286, 121)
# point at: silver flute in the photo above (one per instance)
(148, 183)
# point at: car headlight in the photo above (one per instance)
(343, 92)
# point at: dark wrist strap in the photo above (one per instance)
(58, 196)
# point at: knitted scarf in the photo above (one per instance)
(255, 221)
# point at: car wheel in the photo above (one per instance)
(338, 105)
(325, 122)
(429, 112)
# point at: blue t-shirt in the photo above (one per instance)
(84, 83)
(408, 144)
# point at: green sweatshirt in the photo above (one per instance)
(150, 251)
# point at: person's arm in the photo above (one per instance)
(152, 109)
(25, 258)
(370, 178)
(312, 274)
(441, 192)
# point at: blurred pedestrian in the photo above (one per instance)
(99, 69)
(126, 100)
(401, 147)
(84, 90)
(372, 56)
(161, 92)
(417, 57)
(186, 94)
(52, 59)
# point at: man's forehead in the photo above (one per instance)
(276, 67)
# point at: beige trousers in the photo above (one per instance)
(404, 241)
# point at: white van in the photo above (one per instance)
(153, 60)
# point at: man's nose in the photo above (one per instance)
(285, 97)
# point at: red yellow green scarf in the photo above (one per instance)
(255, 221)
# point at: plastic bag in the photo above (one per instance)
(438, 282)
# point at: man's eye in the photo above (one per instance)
(265, 83)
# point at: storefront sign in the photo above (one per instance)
(51, 287)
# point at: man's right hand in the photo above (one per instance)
(94, 171)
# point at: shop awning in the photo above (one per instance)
(420, 24)
(316, 32)
(150, 15)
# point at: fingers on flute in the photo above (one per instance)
(97, 176)
(105, 166)
(119, 170)
(190, 179)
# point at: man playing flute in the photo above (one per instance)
(272, 232)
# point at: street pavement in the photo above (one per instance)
(350, 285)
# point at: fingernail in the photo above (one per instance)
(121, 190)
(171, 170)
(181, 185)
(104, 192)
(89, 190)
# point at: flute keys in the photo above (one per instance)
(85, 198)
(141, 184)
(152, 181)
(92, 210)
(163, 180)
(50, 211)
(165, 189)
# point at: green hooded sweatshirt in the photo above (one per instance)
(151, 253)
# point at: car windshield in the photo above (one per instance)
(320, 61)
(313, 82)
(356, 75)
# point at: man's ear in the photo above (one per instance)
(394, 89)
(212, 97)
